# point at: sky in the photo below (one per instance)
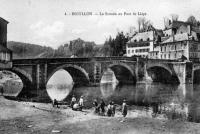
(44, 22)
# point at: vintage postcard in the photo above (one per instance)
(99, 66)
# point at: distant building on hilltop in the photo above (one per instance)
(5, 53)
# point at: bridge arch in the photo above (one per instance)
(78, 74)
(160, 66)
(20, 72)
(25, 78)
(161, 73)
(123, 73)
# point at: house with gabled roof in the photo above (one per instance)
(180, 39)
(5, 53)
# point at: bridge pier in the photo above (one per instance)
(184, 72)
(41, 79)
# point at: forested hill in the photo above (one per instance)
(78, 47)
(26, 50)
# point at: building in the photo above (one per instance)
(5, 53)
(143, 43)
(140, 44)
(180, 40)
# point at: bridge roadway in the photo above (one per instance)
(35, 73)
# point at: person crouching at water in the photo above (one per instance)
(75, 107)
(81, 103)
(124, 109)
(73, 101)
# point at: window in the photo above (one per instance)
(169, 56)
(128, 51)
(172, 47)
(132, 51)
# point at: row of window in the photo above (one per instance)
(194, 55)
(171, 56)
(148, 39)
(142, 50)
(194, 47)
(4, 56)
(138, 44)
(153, 54)
(138, 51)
(173, 47)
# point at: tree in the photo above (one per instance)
(191, 19)
(139, 21)
(131, 31)
(115, 46)
(143, 24)
(174, 17)
(81, 48)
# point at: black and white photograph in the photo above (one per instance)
(99, 66)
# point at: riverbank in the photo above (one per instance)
(32, 118)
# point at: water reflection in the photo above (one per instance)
(11, 83)
(59, 85)
(108, 83)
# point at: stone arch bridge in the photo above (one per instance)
(35, 73)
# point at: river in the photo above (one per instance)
(170, 100)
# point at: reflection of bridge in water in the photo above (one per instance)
(35, 73)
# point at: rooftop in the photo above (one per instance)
(144, 36)
(177, 24)
(176, 38)
(2, 19)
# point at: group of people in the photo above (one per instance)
(101, 108)
(76, 105)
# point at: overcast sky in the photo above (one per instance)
(44, 21)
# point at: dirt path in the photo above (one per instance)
(38, 118)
